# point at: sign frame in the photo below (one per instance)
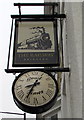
(45, 56)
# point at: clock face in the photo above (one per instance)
(35, 88)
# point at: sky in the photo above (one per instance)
(6, 9)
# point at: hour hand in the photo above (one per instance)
(32, 88)
(32, 85)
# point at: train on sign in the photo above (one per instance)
(40, 40)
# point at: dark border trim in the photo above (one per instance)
(36, 4)
(45, 69)
(48, 63)
(39, 16)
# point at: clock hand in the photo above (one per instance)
(32, 88)
(32, 84)
(39, 78)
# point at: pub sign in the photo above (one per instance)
(35, 43)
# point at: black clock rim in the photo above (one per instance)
(35, 109)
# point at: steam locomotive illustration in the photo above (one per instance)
(40, 40)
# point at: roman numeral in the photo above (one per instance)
(21, 80)
(48, 78)
(49, 92)
(18, 87)
(44, 99)
(34, 72)
(51, 86)
(26, 75)
(27, 99)
(42, 74)
(20, 94)
(35, 101)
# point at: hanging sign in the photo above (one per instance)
(35, 43)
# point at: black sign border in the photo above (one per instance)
(56, 63)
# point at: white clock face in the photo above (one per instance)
(35, 88)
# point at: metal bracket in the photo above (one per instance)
(46, 16)
(39, 16)
(19, 10)
(15, 114)
(53, 4)
(45, 69)
(34, 4)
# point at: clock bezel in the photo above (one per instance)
(35, 109)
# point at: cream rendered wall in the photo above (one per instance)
(71, 101)
(71, 106)
(83, 56)
(74, 53)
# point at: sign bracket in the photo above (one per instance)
(36, 16)
(52, 4)
(66, 69)
(35, 4)
(10, 45)
(14, 114)
(39, 16)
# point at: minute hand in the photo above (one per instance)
(32, 88)
(32, 84)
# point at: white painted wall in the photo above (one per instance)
(82, 58)
(74, 53)
(71, 102)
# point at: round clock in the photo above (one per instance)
(35, 91)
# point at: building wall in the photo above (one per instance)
(71, 101)
(73, 57)
(71, 85)
(82, 57)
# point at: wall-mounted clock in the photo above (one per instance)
(35, 91)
